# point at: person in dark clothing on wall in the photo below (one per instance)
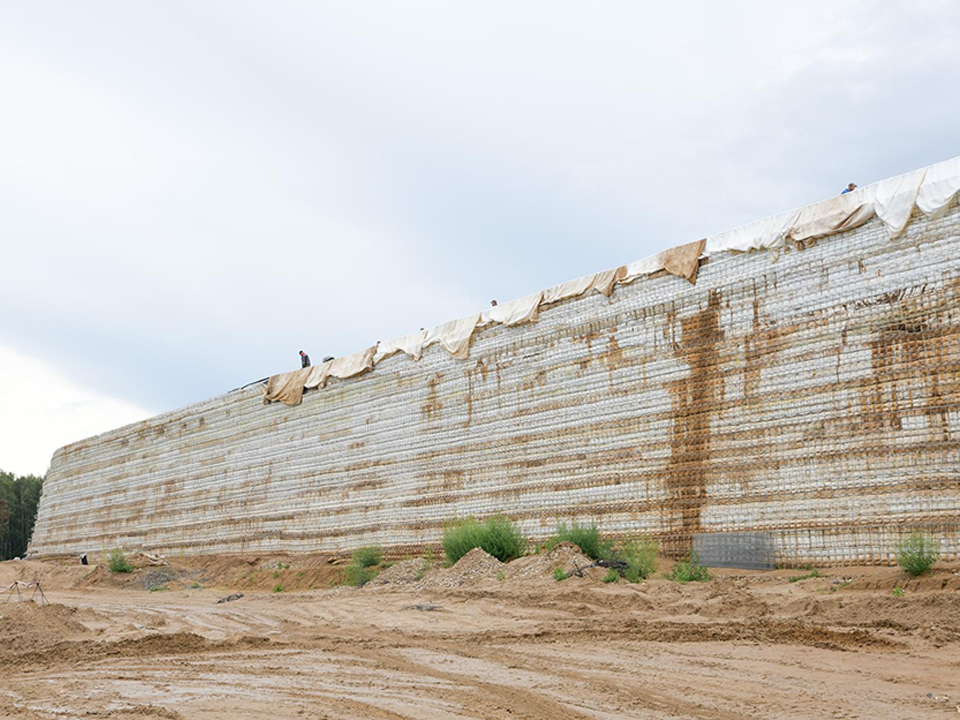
(304, 359)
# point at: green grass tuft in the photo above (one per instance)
(559, 575)
(356, 575)
(917, 553)
(641, 558)
(689, 570)
(117, 562)
(798, 578)
(585, 537)
(367, 556)
(278, 588)
(497, 536)
(612, 576)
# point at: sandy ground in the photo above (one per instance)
(478, 640)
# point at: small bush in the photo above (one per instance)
(276, 574)
(500, 575)
(117, 562)
(356, 575)
(159, 588)
(898, 592)
(917, 553)
(689, 570)
(798, 578)
(611, 576)
(367, 556)
(503, 539)
(497, 536)
(559, 575)
(585, 537)
(461, 537)
(641, 558)
(278, 588)
(196, 586)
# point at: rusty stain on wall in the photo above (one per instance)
(805, 398)
(695, 399)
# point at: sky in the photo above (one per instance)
(192, 192)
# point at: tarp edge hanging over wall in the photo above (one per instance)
(931, 189)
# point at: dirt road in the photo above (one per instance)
(477, 641)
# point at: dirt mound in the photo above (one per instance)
(475, 566)
(156, 644)
(27, 626)
(242, 572)
(718, 598)
(922, 611)
(564, 555)
(403, 573)
(939, 580)
(51, 574)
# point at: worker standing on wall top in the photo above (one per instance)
(304, 359)
(850, 188)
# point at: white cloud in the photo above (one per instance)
(194, 191)
(41, 410)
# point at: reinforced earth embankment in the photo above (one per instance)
(811, 395)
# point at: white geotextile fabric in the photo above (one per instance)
(894, 200)
(761, 235)
(931, 189)
(569, 289)
(514, 312)
(411, 344)
(454, 336)
(601, 282)
(350, 365)
(939, 187)
(844, 212)
(288, 387)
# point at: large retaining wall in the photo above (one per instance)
(811, 395)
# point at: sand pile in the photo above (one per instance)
(403, 573)
(476, 565)
(564, 555)
(26, 626)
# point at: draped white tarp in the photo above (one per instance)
(940, 186)
(931, 189)
(288, 387)
(894, 200)
(454, 335)
(411, 344)
(514, 312)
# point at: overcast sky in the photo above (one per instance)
(190, 192)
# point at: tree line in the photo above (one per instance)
(19, 496)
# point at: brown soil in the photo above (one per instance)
(480, 639)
